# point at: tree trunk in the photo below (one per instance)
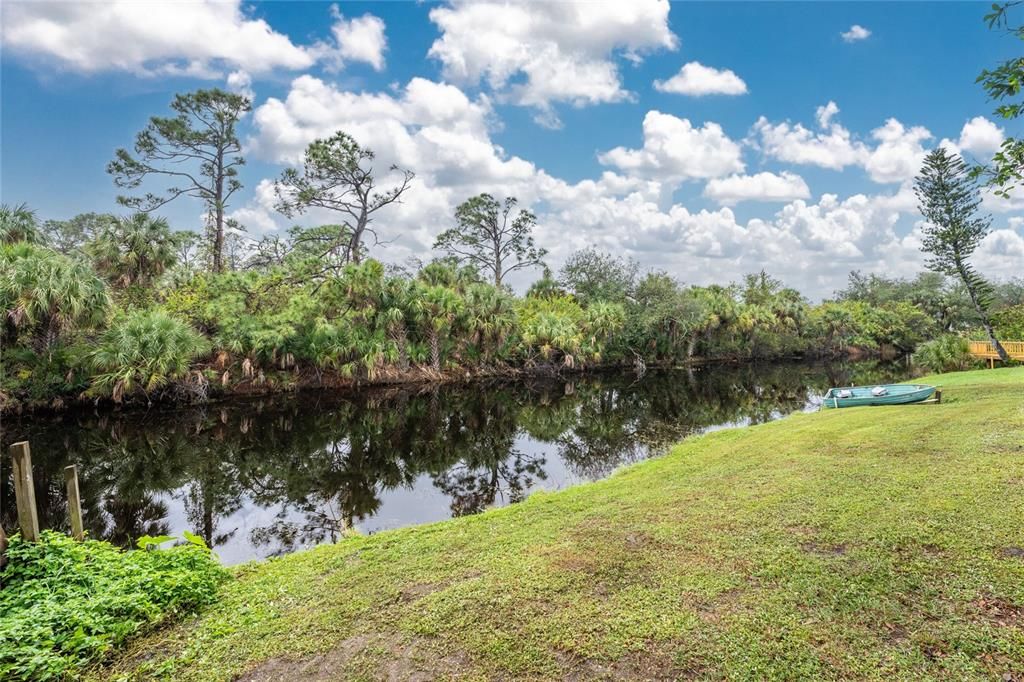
(48, 337)
(982, 313)
(691, 347)
(357, 237)
(497, 263)
(402, 341)
(218, 209)
(435, 350)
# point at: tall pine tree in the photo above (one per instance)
(948, 199)
(197, 150)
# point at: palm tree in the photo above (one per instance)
(437, 307)
(490, 317)
(396, 313)
(19, 224)
(144, 351)
(603, 320)
(46, 293)
(134, 250)
(716, 308)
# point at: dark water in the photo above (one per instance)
(259, 478)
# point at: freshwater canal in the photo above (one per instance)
(263, 477)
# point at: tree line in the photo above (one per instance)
(124, 307)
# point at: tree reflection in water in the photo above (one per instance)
(309, 467)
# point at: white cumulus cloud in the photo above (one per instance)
(699, 80)
(899, 153)
(856, 32)
(831, 146)
(763, 186)
(537, 54)
(200, 38)
(240, 82)
(893, 153)
(445, 136)
(979, 136)
(674, 150)
(360, 39)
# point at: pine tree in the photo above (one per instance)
(948, 199)
(198, 150)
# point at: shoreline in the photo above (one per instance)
(680, 563)
(303, 380)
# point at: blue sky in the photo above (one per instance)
(554, 103)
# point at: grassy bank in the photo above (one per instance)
(879, 543)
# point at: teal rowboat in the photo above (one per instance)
(883, 394)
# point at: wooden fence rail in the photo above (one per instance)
(986, 351)
(25, 491)
(25, 496)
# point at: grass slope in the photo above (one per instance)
(881, 543)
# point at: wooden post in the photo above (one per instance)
(74, 502)
(938, 396)
(25, 491)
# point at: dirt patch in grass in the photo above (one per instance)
(999, 611)
(1013, 552)
(823, 548)
(652, 665)
(713, 610)
(803, 531)
(418, 591)
(376, 656)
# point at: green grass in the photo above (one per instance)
(879, 543)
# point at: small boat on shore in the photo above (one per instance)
(883, 394)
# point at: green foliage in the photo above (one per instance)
(1009, 323)
(198, 150)
(900, 324)
(1003, 84)
(545, 287)
(68, 236)
(595, 276)
(67, 604)
(19, 224)
(43, 378)
(338, 175)
(134, 250)
(488, 237)
(555, 329)
(949, 202)
(44, 294)
(142, 352)
(946, 353)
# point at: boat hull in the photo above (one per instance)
(896, 394)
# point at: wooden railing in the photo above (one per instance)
(984, 349)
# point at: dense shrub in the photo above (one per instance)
(44, 294)
(144, 351)
(65, 604)
(945, 353)
(1009, 323)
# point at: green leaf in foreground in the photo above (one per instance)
(65, 604)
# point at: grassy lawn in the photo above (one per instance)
(883, 543)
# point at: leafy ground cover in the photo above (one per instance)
(871, 543)
(65, 604)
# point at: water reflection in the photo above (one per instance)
(262, 478)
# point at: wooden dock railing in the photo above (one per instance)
(986, 351)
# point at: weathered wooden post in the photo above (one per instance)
(938, 396)
(74, 502)
(25, 491)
